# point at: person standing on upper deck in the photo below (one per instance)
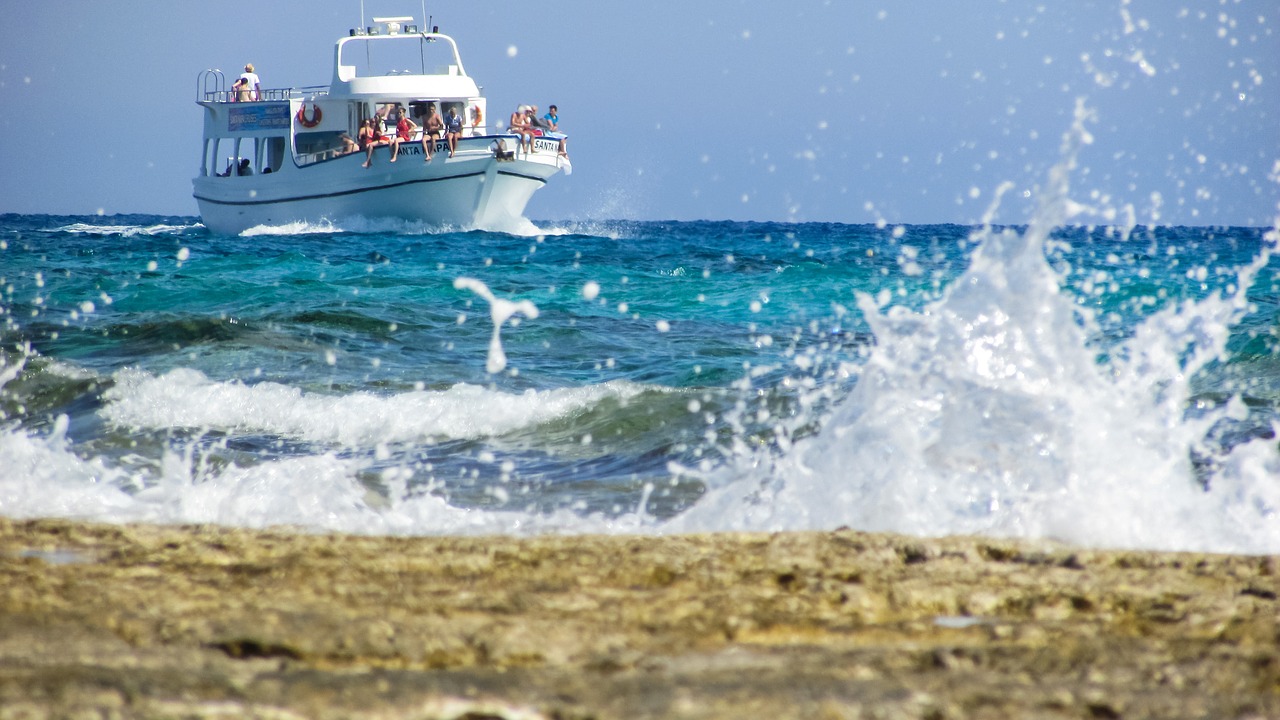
(248, 87)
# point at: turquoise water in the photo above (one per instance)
(1099, 385)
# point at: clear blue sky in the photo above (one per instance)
(838, 110)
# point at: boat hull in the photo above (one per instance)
(460, 192)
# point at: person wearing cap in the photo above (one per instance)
(248, 87)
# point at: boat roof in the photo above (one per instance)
(429, 63)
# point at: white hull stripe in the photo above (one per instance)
(355, 191)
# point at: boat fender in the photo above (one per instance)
(315, 116)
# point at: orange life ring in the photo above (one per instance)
(315, 116)
(477, 117)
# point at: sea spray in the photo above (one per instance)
(500, 311)
(988, 411)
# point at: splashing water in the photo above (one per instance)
(988, 412)
(500, 311)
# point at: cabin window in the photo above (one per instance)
(226, 154)
(461, 108)
(314, 146)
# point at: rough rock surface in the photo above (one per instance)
(208, 622)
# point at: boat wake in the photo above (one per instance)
(128, 231)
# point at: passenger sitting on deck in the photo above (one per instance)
(453, 129)
(244, 168)
(552, 119)
(537, 125)
(404, 131)
(348, 145)
(519, 125)
(370, 139)
(432, 128)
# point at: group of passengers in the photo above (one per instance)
(392, 126)
(376, 130)
(526, 123)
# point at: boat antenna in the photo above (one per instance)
(424, 14)
(361, 13)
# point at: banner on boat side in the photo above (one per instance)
(274, 116)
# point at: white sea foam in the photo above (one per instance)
(321, 492)
(185, 398)
(298, 227)
(42, 478)
(125, 230)
(357, 224)
(520, 226)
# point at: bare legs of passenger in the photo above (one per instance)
(395, 148)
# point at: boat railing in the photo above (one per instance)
(209, 83)
(211, 87)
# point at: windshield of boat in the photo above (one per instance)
(402, 55)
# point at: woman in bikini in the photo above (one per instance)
(404, 132)
(370, 139)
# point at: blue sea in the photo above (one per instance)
(1114, 386)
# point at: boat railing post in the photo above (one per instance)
(210, 77)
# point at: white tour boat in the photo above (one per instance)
(286, 156)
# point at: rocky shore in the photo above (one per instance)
(207, 622)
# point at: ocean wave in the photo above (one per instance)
(186, 398)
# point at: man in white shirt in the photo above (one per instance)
(248, 87)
